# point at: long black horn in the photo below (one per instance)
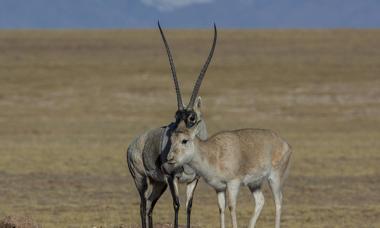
(203, 72)
(178, 92)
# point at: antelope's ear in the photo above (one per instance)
(198, 106)
(194, 130)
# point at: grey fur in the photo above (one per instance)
(143, 158)
(148, 151)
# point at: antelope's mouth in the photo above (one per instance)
(171, 162)
(169, 167)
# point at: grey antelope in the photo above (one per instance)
(230, 159)
(148, 151)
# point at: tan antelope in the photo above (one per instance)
(148, 151)
(233, 158)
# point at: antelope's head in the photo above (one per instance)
(183, 146)
(189, 116)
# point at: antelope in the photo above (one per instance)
(148, 152)
(230, 159)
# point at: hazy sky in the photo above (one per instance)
(190, 13)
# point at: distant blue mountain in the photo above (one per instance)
(226, 13)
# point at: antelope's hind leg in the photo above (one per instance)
(142, 186)
(259, 204)
(158, 188)
(276, 180)
(275, 186)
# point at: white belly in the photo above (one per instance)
(217, 184)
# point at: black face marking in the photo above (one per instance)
(188, 116)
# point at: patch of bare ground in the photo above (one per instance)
(157, 225)
(18, 222)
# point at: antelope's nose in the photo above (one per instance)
(170, 156)
(170, 159)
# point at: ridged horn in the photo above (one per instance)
(172, 67)
(203, 72)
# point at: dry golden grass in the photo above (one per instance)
(71, 101)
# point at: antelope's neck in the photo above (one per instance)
(202, 134)
(203, 161)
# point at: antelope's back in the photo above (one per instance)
(249, 150)
(263, 145)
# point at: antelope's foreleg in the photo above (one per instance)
(222, 207)
(173, 185)
(233, 190)
(189, 198)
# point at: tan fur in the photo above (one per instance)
(241, 152)
(233, 158)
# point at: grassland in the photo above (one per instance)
(71, 101)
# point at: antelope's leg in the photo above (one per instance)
(275, 186)
(142, 187)
(158, 188)
(222, 206)
(259, 201)
(189, 198)
(233, 190)
(173, 185)
(143, 210)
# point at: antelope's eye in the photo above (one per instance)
(192, 118)
(177, 115)
(184, 141)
